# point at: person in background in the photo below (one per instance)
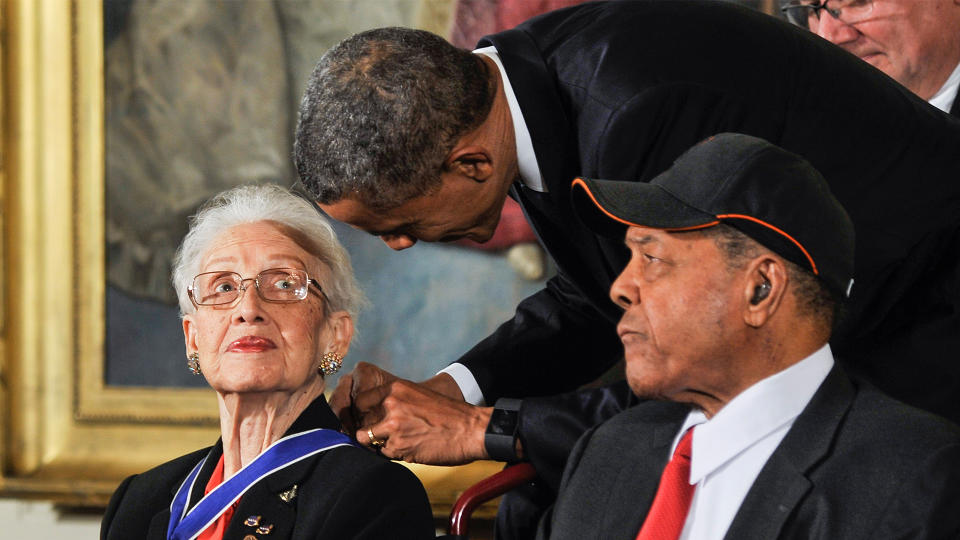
(268, 300)
(915, 42)
(740, 256)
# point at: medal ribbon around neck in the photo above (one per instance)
(186, 525)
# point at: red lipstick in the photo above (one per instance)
(251, 344)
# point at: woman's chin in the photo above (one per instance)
(259, 385)
(249, 385)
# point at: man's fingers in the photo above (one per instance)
(405, 420)
(340, 404)
(368, 400)
(370, 437)
(367, 376)
(340, 397)
(382, 443)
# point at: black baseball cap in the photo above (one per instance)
(773, 196)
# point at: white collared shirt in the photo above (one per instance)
(531, 178)
(944, 97)
(730, 449)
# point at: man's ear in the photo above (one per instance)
(471, 161)
(764, 289)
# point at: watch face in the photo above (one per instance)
(502, 422)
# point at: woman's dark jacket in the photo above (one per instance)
(344, 492)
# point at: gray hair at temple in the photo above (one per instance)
(296, 217)
(381, 112)
(823, 307)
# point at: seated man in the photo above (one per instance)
(739, 257)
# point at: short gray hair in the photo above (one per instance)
(814, 298)
(298, 219)
(382, 111)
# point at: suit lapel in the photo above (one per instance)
(200, 485)
(543, 112)
(632, 495)
(596, 261)
(955, 110)
(273, 501)
(157, 529)
(782, 483)
(158, 526)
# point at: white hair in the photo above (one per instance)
(268, 202)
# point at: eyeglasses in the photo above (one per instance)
(806, 13)
(280, 285)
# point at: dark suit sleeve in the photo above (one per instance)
(556, 341)
(385, 501)
(926, 506)
(549, 427)
(114, 504)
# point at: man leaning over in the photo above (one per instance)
(740, 256)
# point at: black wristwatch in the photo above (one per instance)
(500, 438)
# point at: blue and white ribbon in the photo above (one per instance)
(186, 525)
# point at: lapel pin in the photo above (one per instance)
(264, 529)
(289, 494)
(252, 521)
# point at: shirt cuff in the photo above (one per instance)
(467, 383)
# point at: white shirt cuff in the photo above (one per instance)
(467, 383)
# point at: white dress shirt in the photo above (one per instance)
(944, 97)
(730, 449)
(531, 178)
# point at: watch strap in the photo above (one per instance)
(500, 438)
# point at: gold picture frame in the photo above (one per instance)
(65, 436)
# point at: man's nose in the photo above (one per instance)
(834, 30)
(398, 242)
(623, 292)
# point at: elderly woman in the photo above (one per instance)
(268, 300)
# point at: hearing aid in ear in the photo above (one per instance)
(760, 293)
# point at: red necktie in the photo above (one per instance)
(672, 502)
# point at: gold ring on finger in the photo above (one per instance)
(374, 442)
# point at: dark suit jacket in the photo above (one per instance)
(345, 492)
(855, 465)
(619, 90)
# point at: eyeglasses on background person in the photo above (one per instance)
(281, 285)
(807, 13)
